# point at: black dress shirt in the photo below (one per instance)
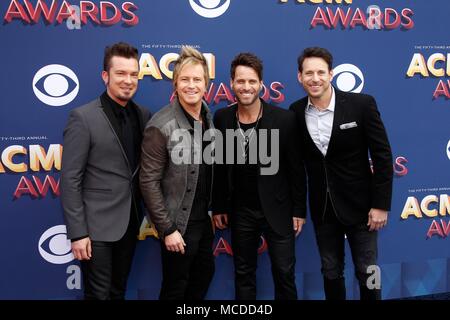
(203, 189)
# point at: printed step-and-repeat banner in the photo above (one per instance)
(51, 60)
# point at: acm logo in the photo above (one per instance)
(55, 248)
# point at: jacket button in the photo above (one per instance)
(188, 190)
(184, 209)
(193, 171)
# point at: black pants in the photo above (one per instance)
(247, 226)
(330, 236)
(105, 275)
(187, 276)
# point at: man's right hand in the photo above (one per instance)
(221, 220)
(174, 242)
(81, 249)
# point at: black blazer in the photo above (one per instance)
(345, 170)
(282, 195)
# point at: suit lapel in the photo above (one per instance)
(267, 119)
(111, 119)
(114, 126)
(209, 118)
(230, 123)
(141, 129)
(266, 123)
(339, 113)
(231, 119)
(183, 122)
(140, 117)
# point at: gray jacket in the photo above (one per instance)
(96, 179)
(168, 187)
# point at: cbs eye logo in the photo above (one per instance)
(345, 78)
(54, 246)
(448, 149)
(210, 8)
(55, 85)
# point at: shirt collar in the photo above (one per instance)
(117, 108)
(330, 107)
(191, 118)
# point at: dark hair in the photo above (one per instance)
(247, 59)
(316, 52)
(120, 49)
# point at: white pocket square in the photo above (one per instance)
(348, 125)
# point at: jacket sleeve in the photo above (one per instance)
(381, 155)
(76, 144)
(154, 158)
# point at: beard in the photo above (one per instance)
(125, 96)
(242, 103)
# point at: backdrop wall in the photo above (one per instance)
(51, 61)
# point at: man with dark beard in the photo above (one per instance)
(254, 199)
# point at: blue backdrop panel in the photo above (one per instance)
(52, 55)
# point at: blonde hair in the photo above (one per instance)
(190, 55)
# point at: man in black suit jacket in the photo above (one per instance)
(347, 198)
(100, 192)
(259, 197)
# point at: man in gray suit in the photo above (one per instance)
(99, 177)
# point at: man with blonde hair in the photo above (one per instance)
(177, 191)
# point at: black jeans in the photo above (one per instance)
(330, 236)
(247, 226)
(105, 275)
(187, 276)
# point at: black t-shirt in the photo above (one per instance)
(246, 175)
(202, 191)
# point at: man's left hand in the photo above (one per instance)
(377, 219)
(298, 225)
